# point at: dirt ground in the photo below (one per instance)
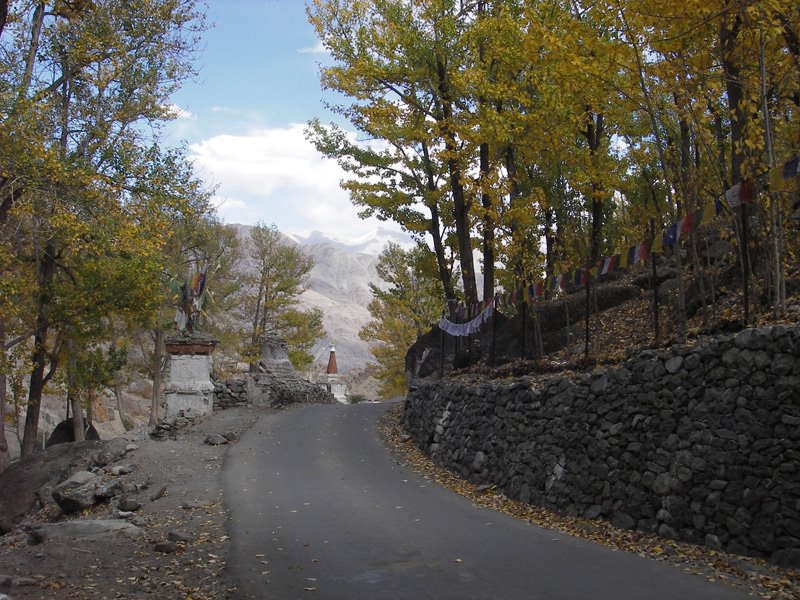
(121, 567)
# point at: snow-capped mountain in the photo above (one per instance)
(371, 243)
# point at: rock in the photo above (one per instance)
(72, 498)
(76, 530)
(167, 547)
(712, 541)
(661, 486)
(593, 512)
(623, 520)
(177, 536)
(159, 494)
(192, 504)
(231, 436)
(673, 365)
(789, 557)
(78, 478)
(214, 439)
(121, 470)
(129, 505)
(131, 448)
(109, 490)
(480, 458)
(666, 531)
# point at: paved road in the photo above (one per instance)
(321, 511)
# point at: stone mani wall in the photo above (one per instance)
(230, 393)
(700, 444)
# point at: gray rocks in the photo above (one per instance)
(77, 530)
(166, 547)
(214, 439)
(129, 505)
(72, 496)
(177, 536)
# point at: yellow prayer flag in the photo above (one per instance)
(657, 247)
(776, 181)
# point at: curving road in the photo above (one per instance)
(321, 511)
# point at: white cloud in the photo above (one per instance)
(180, 113)
(318, 48)
(277, 176)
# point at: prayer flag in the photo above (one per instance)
(699, 215)
(741, 193)
(717, 206)
(641, 252)
(791, 168)
(631, 255)
(657, 246)
(670, 236)
(685, 225)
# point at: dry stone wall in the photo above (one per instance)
(695, 443)
(230, 393)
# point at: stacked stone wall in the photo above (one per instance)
(695, 443)
(230, 393)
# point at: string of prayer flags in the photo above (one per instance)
(464, 329)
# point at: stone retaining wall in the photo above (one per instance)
(695, 443)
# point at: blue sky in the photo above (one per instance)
(243, 116)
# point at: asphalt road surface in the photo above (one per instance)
(321, 511)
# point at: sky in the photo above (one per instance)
(242, 118)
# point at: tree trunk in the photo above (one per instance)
(460, 207)
(72, 395)
(488, 225)
(37, 22)
(435, 228)
(120, 410)
(5, 456)
(46, 271)
(155, 367)
(728, 35)
(595, 130)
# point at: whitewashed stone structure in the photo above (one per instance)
(189, 390)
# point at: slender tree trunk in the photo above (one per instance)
(728, 35)
(155, 367)
(595, 130)
(5, 456)
(460, 206)
(72, 395)
(435, 229)
(38, 379)
(33, 48)
(488, 223)
(120, 409)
